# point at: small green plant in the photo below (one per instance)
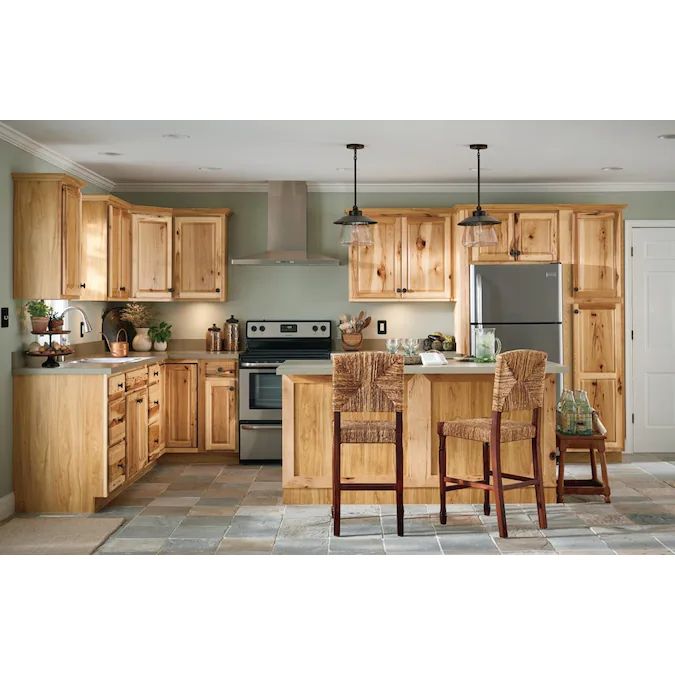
(38, 308)
(161, 332)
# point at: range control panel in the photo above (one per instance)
(288, 329)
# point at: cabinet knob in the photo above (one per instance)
(123, 288)
(576, 289)
(156, 373)
(170, 290)
(404, 290)
(231, 388)
(399, 290)
(120, 464)
(217, 290)
(576, 311)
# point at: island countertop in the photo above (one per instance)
(325, 367)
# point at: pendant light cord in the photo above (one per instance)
(478, 152)
(355, 208)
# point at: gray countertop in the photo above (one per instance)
(82, 366)
(318, 367)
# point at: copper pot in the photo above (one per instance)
(118, 348)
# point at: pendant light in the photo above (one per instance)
(355, 226)
(479, 228)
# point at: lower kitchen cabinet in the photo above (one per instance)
(117, 465)
(137, 431)
(180, 386)
(220, 414)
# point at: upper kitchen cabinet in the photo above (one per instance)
(200, 252)
(47, 236)
(523, 236)
(598, 255)
(410, 258)
(106, 248)
(152, 254)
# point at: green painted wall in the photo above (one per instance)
(270, 292)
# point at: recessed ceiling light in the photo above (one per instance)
(667, 137)
(111, 154)
(176, 137)
(612, 168)
(210, 168)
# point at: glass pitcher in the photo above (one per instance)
(488, 345)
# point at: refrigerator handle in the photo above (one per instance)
(479, 298)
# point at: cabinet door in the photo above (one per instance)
(180, 388)
(119, 253)
(375, 270)
(151, 257)
(199, 265)
(137, 431)
(426, 255)
(598, 253)
(598, 363)
(537, 236)
(71, 245)
(94, 251)
(220, 414)
(501, 252)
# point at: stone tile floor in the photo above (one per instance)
(232, 509)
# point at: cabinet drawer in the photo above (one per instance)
(154, 373)
(117, 425)
(136, 379)
(221, 369)
(116, 384)
(154, 401)
(154, 441)
(117, 466)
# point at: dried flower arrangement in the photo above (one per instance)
(354, 324)
(139, 316)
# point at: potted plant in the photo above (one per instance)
(351, 330)
(55, 320)
(160, 335)
(39, 312)
(140, 317)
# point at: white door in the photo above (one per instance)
(654, 339)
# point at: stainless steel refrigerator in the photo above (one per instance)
(523, 302)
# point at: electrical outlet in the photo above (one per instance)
(381, 327)
(4, 317)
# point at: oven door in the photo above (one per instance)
(259, 394)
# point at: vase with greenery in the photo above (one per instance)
(39, 312)
(140, 317)
(160, 335)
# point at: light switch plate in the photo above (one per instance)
(4, 317)
(381, 327)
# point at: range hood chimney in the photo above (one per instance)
(286, 228)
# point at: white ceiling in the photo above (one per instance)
(396, 151)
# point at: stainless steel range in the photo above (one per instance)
(268, 345)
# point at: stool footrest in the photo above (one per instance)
(583, 482)
(367, 486)
(461, 483)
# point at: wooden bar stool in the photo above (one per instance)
(583, 486)
(367, 382)
(519, 385)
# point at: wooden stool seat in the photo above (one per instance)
(582, 486)
(368, 431)
(479, 429)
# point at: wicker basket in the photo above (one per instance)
(118, 348)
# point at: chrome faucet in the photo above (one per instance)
(87, 325)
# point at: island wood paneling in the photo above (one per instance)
(307, 441)
(60, 442)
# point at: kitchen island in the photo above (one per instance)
(432, 393)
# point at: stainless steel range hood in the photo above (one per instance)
(286, 229)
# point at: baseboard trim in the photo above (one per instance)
(6, 506)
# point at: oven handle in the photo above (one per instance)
(259, 427)
(246, 364)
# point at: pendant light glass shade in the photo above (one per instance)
(479, 227)
(355, 227)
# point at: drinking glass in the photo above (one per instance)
(392, 345)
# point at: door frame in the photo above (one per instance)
(629, 388)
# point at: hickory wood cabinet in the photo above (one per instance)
(48, 236)
(181, 405)
(220, 405)
(409, 259)
(523, 236)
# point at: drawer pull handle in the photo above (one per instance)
(155, 403)
(120, 464)
(123, 288)
(139, 400)
(221, 369)
(120, 385)
(155, 373)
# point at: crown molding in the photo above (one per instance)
(40, 151)
(487, 188)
